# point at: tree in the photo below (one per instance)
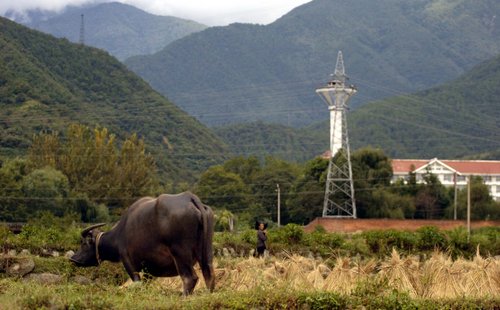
(372, 170)
(483, 207)
(275, 171)
(431, 199)
(95, 167)
(223, 190)
(305, 201)
(46, 189)
(12, 203)
(246, 168)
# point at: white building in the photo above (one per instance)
(448, 170)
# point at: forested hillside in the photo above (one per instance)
(120, 29)
(262, 139)
(457, 119)
(243, 72)
(48, 83)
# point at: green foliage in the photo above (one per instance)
(47, 83)
(323, 243)
(12, 207)
(46, 190)
(224, 220)
(47, 233)
(222, 189)
(95, 168)
(430, 238)
(431, 199)
(382, 242)
(483, 205)
(289, 234)
(305, 201)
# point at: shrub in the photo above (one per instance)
(457, 242)
(291, 234)
(430, 238)
(381, 242)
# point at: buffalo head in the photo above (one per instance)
(87, 256)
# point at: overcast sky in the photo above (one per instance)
(210, 12)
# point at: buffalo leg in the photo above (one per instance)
(132, 272)
(186, 272)
(209, 275)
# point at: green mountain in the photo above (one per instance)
(454, 120)
(261, 139)
(242, 72)
(120, 29)
(48, 83)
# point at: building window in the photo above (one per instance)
(461, 178)
(447, 178)
(486, 178)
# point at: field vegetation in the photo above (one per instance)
(430, 269)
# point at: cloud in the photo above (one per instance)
(213, 12)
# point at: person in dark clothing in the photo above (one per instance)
(261, 239)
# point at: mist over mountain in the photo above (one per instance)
(242, 73)
(120, 29)
(48, 83)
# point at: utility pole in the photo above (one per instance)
(468, 208)
(455, 197)
(279, 204)
(339, 190)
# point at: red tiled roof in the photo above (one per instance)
(461, 166)
(474, 166)
(407, 165)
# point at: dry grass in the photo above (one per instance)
(437, 277)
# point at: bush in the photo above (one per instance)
(430, 238)
(47, 233)
(291, 234)
(382, 242)
(457, 242)
(324, 243)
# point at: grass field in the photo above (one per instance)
(291, 281)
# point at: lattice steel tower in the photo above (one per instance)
(339, 192)
(82, 31)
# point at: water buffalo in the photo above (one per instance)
(163, 236)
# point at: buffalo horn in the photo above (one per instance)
(86, 230)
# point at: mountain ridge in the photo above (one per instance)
(457, 119)
(265, 72)
(122, 30)
(47, 83)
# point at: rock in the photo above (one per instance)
(225, 252)
(55, 254)
(45, 253)
(233, 252)
(81, 280)
(25, 252)
(45, 278)
(12, 253)
(251, 253)
(16, 265)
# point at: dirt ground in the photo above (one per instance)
(357, 225)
